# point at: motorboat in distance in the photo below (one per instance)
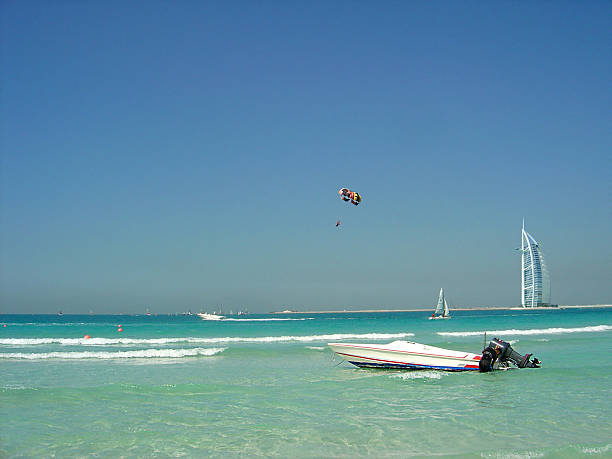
(213, 316)
(409, 355)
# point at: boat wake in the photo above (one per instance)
(195, 340)
(141, 354)
(533, 331)
(231, 319)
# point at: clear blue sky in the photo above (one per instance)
(183, 155)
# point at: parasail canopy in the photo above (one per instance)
(348, 195)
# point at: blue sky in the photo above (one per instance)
(186, 155)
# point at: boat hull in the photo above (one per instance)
(406, 355)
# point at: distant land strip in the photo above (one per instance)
(482, 308)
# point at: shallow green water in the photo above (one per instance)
(179, 386)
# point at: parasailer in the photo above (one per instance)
(348, 195)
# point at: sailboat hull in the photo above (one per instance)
(405, 355)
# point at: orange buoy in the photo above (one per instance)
(120, 329)
(119, 325)
(86, 337)
(4, 325)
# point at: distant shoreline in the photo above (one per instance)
(513, 308)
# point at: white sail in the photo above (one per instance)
(441, 311)
(440, 308)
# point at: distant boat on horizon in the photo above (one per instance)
(213, 316)
(442, 311)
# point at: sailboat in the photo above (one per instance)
(441, 311)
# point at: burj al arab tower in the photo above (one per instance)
(535, 281)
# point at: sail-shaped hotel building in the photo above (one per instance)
(535, 281)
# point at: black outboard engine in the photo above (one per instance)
(499, 350)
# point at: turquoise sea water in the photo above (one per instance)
(267, 386)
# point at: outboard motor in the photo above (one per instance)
(501, 351)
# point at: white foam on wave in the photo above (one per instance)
(48, 324)
(316, 348)
(142, 354)
(420, 374)
(533, 331)
(194, 340)
(7, 387)
(598, 450)
(513, 455)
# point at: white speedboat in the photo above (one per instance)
(409, 355)
(213, 316)
(441, 311)
(406, 355)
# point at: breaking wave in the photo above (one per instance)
(533, 331)
(195, 340)
(142, 354)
